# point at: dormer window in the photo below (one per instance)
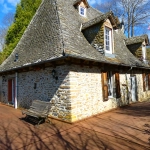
(82, 11)
(108, 40)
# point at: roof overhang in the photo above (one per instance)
(137, 39)
(100, 19)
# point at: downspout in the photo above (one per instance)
(16, 90)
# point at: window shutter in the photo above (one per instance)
(117, 81)
(148, 81)
(144, 82)
(104, 86)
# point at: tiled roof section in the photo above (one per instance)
(76, 45)
(74, 41)
(137, 39)
(98, 19)
(56, 30)
(41, 41)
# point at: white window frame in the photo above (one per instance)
(144, 52)
(110, 39)
(110, 81)
(80, 12)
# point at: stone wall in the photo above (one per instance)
(41, 85)
(77, 94)
(86, 92)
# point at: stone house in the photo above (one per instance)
(78, 59)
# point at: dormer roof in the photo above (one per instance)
(100, 18)
(76, 2)
(137, 39)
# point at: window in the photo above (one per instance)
(110, 85)
(82, 11)
(110, 82)
(108, 40)
(146, 82)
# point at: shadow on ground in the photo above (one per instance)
(122, 129)
(137, 110)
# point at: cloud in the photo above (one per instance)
(6, 9)
(13, 2)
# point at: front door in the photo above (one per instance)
(11, 91)
(133, 89)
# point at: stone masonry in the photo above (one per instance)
(76, 95)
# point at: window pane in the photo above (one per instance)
(109, 80)
(82, 11)
(107, 39)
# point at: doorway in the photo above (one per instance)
(11, 91)
(133, 88)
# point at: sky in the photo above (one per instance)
(8, 6)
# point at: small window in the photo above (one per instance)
(82, 11)
(108, 40)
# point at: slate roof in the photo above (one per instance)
(137, 39)
(55, 31)
(98, 19)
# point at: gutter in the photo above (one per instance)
(71, 56)
(34, 64)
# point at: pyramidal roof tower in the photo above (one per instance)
(53, 32)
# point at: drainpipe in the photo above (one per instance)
(16, 90)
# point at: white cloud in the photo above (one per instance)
(13, 2)
(6, 9)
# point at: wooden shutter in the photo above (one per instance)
(148, 81)
(144, 83)
(117, 81)
(104, 86)
(10, 90)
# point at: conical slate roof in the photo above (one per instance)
(42, 39)
(55, 30)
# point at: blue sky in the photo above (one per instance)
(7, 6)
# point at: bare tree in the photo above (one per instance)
(135, 12)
